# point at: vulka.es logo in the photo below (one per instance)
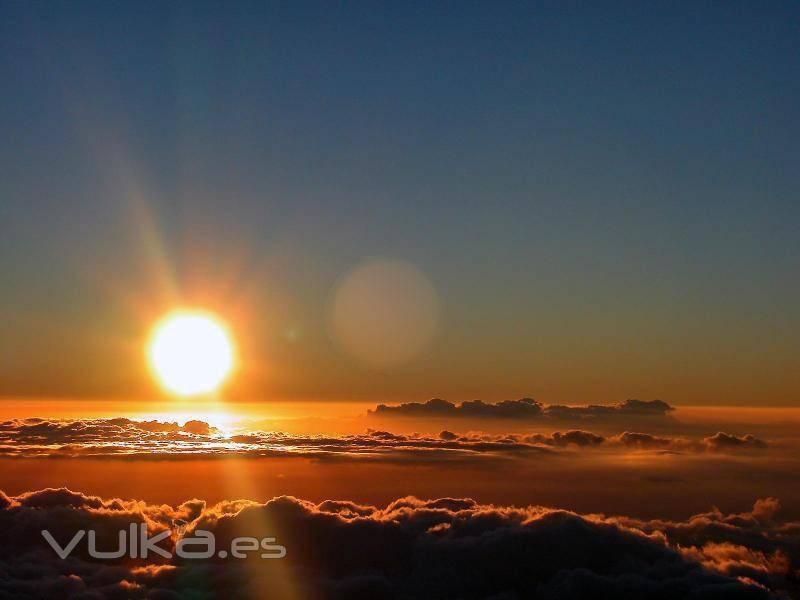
(135, 542)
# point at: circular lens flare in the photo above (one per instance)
(191, 352)
(384, 312)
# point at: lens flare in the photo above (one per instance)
(384, 313)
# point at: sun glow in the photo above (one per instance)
(191, 352)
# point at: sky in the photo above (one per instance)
(454, 300)
(598, 203)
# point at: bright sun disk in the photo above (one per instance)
(191, 352)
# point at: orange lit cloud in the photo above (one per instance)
(121, 437)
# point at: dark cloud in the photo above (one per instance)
(445, 548)
(634, 439)
(574, 437)
(721, 441)
(524, 409)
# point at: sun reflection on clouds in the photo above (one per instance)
(227, 424)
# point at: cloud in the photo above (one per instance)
(524, 409)
(721, 441)
(769, 569)
(123, 438)
(753, 545)
(446, 548)
(574, 437)
(152, 440)
(634, 439)
(50, 431)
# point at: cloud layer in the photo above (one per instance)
(411, 548)
(524, 409)
(126, 438)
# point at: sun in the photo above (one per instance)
(191, 352)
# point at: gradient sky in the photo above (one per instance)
(604, 199)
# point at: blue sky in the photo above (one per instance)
(605, 196)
